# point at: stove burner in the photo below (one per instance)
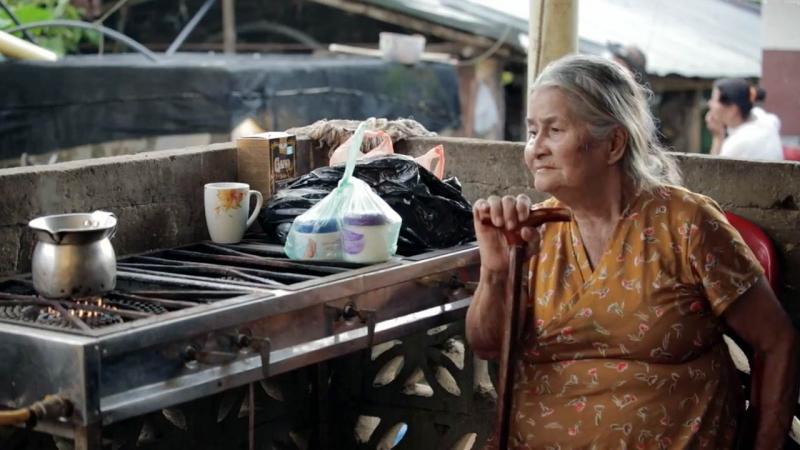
(94, 319)
(55, 317)
(94, 312)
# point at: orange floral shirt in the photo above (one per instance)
(630, 355)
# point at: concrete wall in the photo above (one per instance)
(158, 195)
(483, 167)
(767, 193)
(115, 148)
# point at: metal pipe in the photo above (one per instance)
(50, 407)
(552, 33)
(198, 16)
(15, 417)
(113, 34)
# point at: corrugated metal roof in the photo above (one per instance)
(692, 38)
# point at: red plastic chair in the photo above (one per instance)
(791, 153)
(760, 244)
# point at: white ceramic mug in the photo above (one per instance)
(226, 206)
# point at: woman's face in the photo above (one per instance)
(558, 153)
(719, 111)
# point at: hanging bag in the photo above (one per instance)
(352, 223)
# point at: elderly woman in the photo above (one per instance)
(631, 297)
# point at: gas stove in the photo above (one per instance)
(157, 283)
(192, 321)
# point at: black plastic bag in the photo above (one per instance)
(435, 213)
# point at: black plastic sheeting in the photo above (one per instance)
(435, 213)
(88, 99)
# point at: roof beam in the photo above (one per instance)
(418, 25)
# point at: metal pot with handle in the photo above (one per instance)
(73, 255)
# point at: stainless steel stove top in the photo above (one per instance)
(187, 322)
(166, 281)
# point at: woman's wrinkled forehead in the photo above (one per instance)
(547, 103)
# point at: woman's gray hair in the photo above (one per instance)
(605, 96)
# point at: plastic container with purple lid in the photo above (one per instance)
(367, 237)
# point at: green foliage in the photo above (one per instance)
(58, 39)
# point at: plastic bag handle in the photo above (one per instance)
(385, 139)
(439, 151)
(353, 152)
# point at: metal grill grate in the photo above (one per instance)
(167, 280)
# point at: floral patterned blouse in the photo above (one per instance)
(630, 355)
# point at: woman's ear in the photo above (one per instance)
(617, 144)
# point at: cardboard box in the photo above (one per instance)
(267, 161)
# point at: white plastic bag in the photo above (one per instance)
(352, 223)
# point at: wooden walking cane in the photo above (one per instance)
(514, 314)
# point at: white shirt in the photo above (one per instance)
(766, 117)
(754, 139)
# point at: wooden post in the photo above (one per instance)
(552, 33)
(229, 26)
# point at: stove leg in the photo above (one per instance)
(321, 373)
(89, 437)
(251, 417)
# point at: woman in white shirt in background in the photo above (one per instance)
(763, 115)
(738, 131)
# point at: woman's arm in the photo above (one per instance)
(758, 318)
(716, 145)
(485, 314)
(717, 130)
